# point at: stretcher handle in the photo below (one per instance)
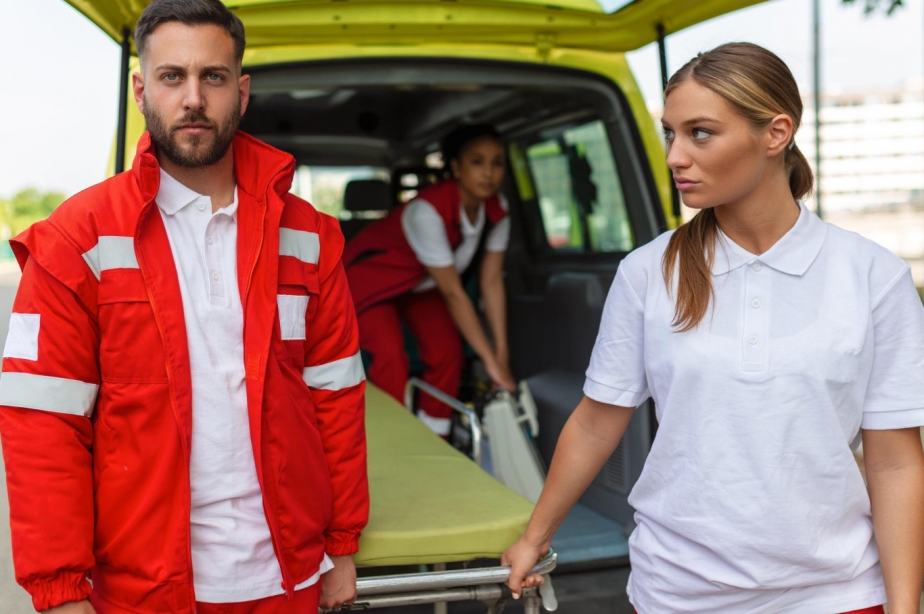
(456, 405)
(404, 583)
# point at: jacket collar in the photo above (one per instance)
(793, 254)
(257, 167)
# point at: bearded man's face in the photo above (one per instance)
(191, 93)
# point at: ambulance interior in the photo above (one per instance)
(580, 194)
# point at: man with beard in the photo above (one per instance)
(181, 400)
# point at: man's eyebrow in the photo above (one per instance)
(216, 68)
(171, 67)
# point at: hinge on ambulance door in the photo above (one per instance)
(545, 41)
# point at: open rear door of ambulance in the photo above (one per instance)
(580, 24)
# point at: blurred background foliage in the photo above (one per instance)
(21, 211)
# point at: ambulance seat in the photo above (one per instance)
(364, 198)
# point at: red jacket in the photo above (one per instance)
(96, 402)
(379, 260)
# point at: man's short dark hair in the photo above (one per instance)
(190, 13)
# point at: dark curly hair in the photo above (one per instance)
(456, 141)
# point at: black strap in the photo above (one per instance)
(477, 259)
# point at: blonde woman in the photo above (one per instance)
(770, 341)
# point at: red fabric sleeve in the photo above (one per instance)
(334, 375)
(47, 436)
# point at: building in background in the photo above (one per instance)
(872, 165)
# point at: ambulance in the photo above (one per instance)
(360, 92)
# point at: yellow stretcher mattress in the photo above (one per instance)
(429, 502)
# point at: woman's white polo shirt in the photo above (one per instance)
(750, 500)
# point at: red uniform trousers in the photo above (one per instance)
(438, 343)
(305, 600)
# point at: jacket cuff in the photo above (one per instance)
(63, 588)
(341, 543)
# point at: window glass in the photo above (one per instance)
(578, 190)
(324, 186)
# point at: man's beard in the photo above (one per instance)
(199, 151)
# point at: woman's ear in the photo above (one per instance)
(780, 133)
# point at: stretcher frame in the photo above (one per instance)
(485, 585)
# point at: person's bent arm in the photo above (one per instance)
(589, 438)
(895, 475)
(334, 374)
(466, 318)
(495, 303)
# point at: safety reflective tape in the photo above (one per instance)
(55, 394)
(292, 310)
(336, 375)
(440, 426)
(22, 339)
(111, 253)
(306, 246)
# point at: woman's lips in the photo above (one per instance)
(685, 184)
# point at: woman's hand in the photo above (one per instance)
(338, 586)
(500, 375)
(522, 557)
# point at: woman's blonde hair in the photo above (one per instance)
(760, 86)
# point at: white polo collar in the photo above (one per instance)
(174, 196)
(793, 254)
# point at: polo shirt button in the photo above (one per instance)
(209, 240)
(756, 266)
(215, 276)
(201, 206)
(755, 303)
(753, 340)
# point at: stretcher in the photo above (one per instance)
(432, 505)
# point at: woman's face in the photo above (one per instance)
(479, 169)
(715, 155)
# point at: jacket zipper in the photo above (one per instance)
(188, 491)
(270, 518)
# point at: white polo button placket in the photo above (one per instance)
(755, 349)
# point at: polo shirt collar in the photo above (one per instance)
(173, 195)
(793, 254)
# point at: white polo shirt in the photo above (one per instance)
(750, 500)
(232, 551)
(426, 233)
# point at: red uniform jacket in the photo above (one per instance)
(379, 260)
(95, 393)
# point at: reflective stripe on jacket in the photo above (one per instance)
(95, 391)
(381, 263)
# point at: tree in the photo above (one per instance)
(25, 208)
(871, 6)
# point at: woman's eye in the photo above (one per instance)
(668, 135)
(700, 134)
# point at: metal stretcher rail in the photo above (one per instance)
(457, 405)
(485, 585)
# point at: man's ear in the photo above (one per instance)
(138, 90)
(780, 133)
(243, 86)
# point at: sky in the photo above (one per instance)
(59, 74)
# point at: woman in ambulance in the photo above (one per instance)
(412, 268)
(770, 342)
